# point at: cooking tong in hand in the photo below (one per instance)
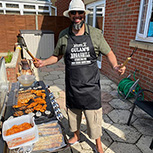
(129, 58)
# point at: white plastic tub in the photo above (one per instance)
(23, 138)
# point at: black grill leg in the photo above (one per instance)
(151, 145)
(128, 123)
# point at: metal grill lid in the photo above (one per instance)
(3, 77)
(3, 86)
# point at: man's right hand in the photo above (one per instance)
(38, 63)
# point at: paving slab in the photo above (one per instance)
(118, 147)
(106, 97)
(106, 88)
(106, 108)
(56, 88)
(106, 82)
(144, 126)
(61, 102)
(51, 77)
(59, 81)
(114, 86)
(106, 122)
(120, 116)
(140, 113)
(144, 143)
(119, 104)
(123, 133)
(49, 83)
(114, 94)
(106, 140)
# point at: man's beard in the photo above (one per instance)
(77, 26)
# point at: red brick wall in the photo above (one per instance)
(120, 27)
(11, 24)
(12, 72)
(62, 5)
(54, 23)
(9, 28)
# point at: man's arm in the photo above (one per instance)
(49, 61)
(113, 61)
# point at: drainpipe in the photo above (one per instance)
(36, 21)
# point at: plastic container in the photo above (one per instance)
(27, 137)
(26, 80)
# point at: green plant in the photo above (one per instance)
(8, 58)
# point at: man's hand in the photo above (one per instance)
(38, 63)
(120, 69)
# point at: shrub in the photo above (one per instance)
(8, 58)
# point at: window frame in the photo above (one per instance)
(21, 9)
(139, 36)
(94, 6)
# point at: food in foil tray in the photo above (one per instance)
(50, 137)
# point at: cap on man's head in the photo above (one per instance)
(76, 5)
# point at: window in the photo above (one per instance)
(43, 8)
(12, 5)
(35, 7)
(43, 13)
(12, 12)
(95, 18)
(90, 17)
(145, 22)
(29, 13)
(29, 6)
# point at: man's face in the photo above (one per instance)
(77, 16)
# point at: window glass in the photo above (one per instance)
(53, 11)
(143, 17)
(43, 8)
(12, 12)
(29, 6)
(43, 13)
(29, 13)
(90, 17)
(12, 5)
(145, 22)
(0, 4)
(99, 17)
(150, 30)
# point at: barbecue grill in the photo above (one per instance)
(9, 96)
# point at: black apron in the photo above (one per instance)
(82, 74)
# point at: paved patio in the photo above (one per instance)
(117, 136)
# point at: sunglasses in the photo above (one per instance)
(74, 12)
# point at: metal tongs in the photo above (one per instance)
(22, 42)
(129, 58)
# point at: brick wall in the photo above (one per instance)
(120, 27)
(11, 24)
(13, 68)
(62, 5)
(9, 28)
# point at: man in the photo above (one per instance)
(80, 46)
